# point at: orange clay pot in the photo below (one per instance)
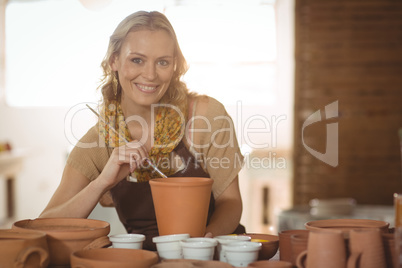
(23, 249)
(181, 204)
(66, 235)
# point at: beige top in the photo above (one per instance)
(210, 137)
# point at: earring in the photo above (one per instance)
(115, 84)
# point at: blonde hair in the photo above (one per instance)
(177, 92)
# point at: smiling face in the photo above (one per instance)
(145, 66)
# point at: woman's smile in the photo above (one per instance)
(146, 88)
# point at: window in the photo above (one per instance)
(54, 48)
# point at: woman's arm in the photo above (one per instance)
(77, 196)
(228, 210)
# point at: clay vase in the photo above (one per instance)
(23, 249)
(325, 248)
(66, 235)
(390, 250)
(366, 249)
(298, 245)
(181, 204)
(285, 245)
(113, 257)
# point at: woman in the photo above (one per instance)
(182, 133)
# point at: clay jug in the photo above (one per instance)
(325, 248)
(23, 249)
(66, 235)
(390, 250)
(298, 245)
(181, 204)
(366, 249)
(285, 245)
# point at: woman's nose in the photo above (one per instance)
(149, 72)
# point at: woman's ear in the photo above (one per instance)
(113, 62)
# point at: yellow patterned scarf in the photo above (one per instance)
(168, 132)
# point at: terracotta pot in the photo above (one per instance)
(366, 249)
(390, 250)
(270, 244)
(113, 257)
(26, 249)
(66, 235)
(298, 245)
(346, 225)
(181, 204)
(325, 248)
(285, 245)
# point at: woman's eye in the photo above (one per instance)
(137, 60)
(163, 63)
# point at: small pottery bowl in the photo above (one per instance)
(240, 254)
(225, 239)
(23, 249)
(133, 241)
(168, 246)
(270, 244)
(199, 248)
(113, 257)
(271, 264)
(66, 235)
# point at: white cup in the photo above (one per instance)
(168, 246)
(199, 248)
(226, 239)
(241, 254)
(132, 241)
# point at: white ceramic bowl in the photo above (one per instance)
(199, 248)
(168, 246)
(241, 254)
(132, 241)
(226, 239)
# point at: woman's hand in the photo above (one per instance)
(123, 161)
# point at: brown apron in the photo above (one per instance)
(134, 205)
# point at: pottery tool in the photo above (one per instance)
(149, 162)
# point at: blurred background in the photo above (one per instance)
(314, 89)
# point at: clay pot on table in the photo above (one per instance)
(366, 249)
(285, 244)
(346, 225)
(66, 235)
(26, 249)
(270, 244)
(113, 257)
(325, 248)
(181, 204)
